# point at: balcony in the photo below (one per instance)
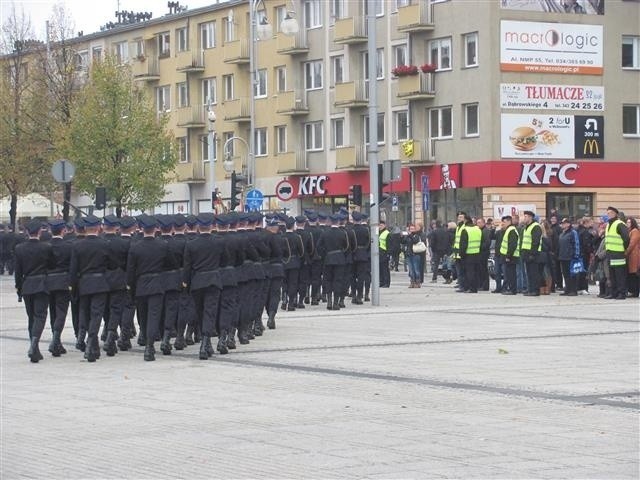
(145, 69)
(351, 94)
(236, 51)
(293, 44)
(417, 17)
(351, 158)
(190, 172)
(293, 102)
(351, 30)
(191, 62)
(191, 117)
(417, 152)
(292, 162)
(417, 87)
(237, 110)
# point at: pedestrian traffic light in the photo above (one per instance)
(101, 198)
(237, 183)
(355, 194)
(382, 196)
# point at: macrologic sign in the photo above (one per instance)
(538, 47)
(530, 96)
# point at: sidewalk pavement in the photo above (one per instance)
(430, 384)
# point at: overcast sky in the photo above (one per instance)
(88, 15)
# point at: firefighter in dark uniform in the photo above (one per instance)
(250, 273)
(292, 267)
(530, 249)
(316, 260)
(361, 256)
(90, 260)
(203, 258)
(229, 298)
(173, 284)
(177, 246)
(278, 253)
(304, 279)
(349, 278)
(149, 259)
(31, 260)
(120, 250)
(192, 334)
(58, 285)
(333, 245)
(76, 233)
(259, 241)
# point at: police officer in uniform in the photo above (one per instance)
(58, 284)
(192, 334)
(230, 297)
(361, 256)
(530, 248)
(173, 283)
(470, 240)
(385, 274)
(292, 267)
(304, 278)
(510, 250)
(616, 240)
(333, 245)
(278, 251)
(32, 258)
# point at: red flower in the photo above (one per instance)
(428, 67)
(404, 70)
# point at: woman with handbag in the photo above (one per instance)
(414, 247)
(569, 254)
(633, 258)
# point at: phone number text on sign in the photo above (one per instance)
(525, 96)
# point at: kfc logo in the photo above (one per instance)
(312, 184)
(542, 173)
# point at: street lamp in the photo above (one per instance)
(211, 117)
(261, 31)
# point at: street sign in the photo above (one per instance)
(254, 199)
(284, 190)
(425, 201)
(394, 203)
(63, 171)
(425, 183)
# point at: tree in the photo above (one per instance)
(24, 145)
(116, 139)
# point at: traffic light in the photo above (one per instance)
(356, 195)
(101, 198)
(237, 183)
(382, 196)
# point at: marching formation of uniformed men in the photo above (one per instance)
(186, 278)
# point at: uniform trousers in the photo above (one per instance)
(363, 275)
(316, 278)
(229, 309)
(207, 305)
(304, 280)
(385, 274)
(92, 307)
(618, 280)
(36, 306)
(510, 277)
(58, 308)
(533, 276)
(247, 292)
(75, 313)
(170, 310)
(273, 295)
(117, 302)
(186, 312)
(292, 276)
(333, 279)
(128, 312)
(471, 267)
(150, 313)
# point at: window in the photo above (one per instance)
(138, 48)
(182, 37)
(164, 42)
(313, 136)
(204, 145)
(471, 49)
(209, 91)
(379, 64)
(281, 13)
(281, 79)
(441, 53)
(260, 84)
(378, 6)
(261, 142)
(229, 29)
(281, 139)
(208, 35)
(96, 53)
(440, 122)
(630, 51)
(402, 3)
(313, 75)
(183, 150)
(163, 98)
(337, 69)
(228, 87)
(401, 122)
(400, 55)
(631, 120)
(471, 120)
(121, 51)
(82, 60)
(337, 10)
(337, 132)
(229, 151)
(380, 125)
(312, 13)
(183, 94)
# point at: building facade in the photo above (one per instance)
(492, 107)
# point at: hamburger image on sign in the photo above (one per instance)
(524, 138)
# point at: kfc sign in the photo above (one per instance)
(312, 185)
(542, 173)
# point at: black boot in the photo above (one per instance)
(222, 343)
(323, 297)
(204, 355)
(103, 336)
(197, 334)
(271, 322)
(336, 303)
(209, 347)
(149, 352)
(329, 302)
(110, 346)
(92, 352)
(142, 339)
(34, 351)
(180, 342)
(124, 342)
(315, 301)
(80, 341)
(165, 346)
(56, 344)
(341, 303)
(188, 338)
(258, 328)
(300, 302)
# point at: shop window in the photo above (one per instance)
(572, 205)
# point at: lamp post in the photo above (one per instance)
(211, 144)
(261, 30)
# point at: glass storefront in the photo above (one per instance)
(444, 204)
(572, 205)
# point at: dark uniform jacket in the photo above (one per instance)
(119, 248)
(90, 259)
(32, 258)
(148, 259)
(278, 252)
(308, 245)
(333, 243)
(363, 243)
(203, 258)
(296, 247)
(58, 274)
(235, 257)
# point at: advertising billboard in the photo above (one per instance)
(584, 7)
(552, 136)
(529, 96)
(538, 47)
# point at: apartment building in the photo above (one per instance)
(499, 106)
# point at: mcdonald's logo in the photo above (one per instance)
(592, 145)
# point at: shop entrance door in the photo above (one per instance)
(572, 205)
